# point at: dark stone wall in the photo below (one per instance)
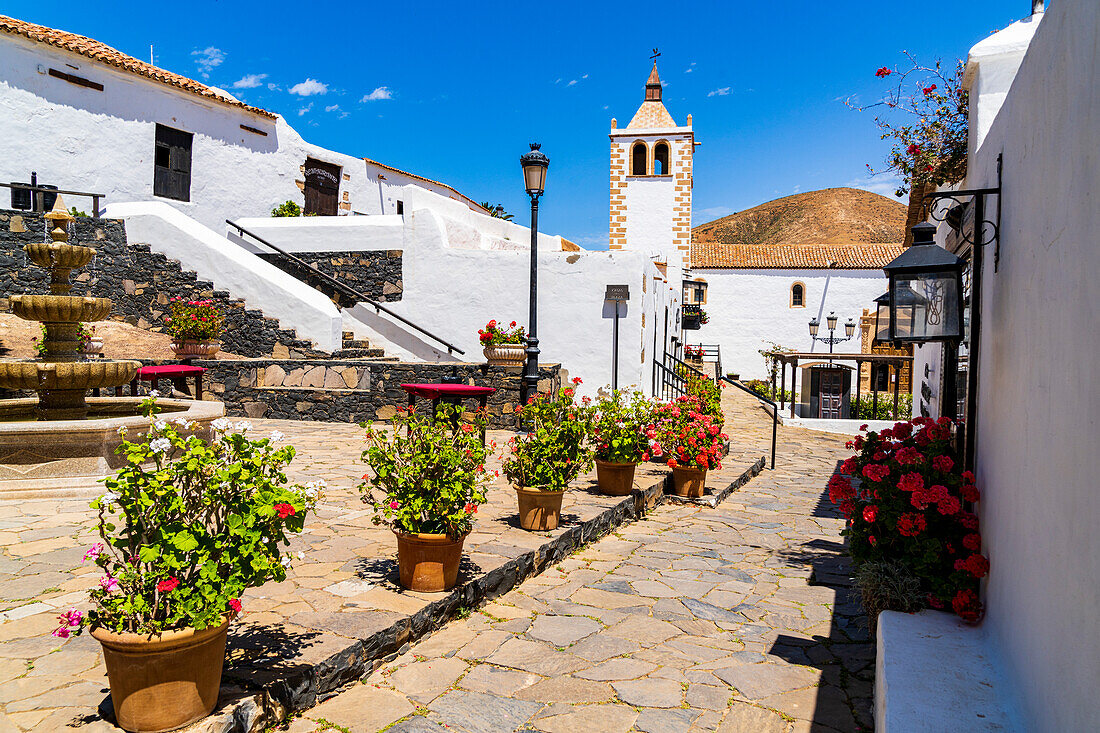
(350, 390)
(376, 274)
(139, 282)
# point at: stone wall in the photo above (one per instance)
(139, 282)
(350, 390)
(376, 274)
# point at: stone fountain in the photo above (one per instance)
(63, 442)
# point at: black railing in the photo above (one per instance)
(37, 196)
(710, 353)
(343, 289)
(670, 377)
(775, 410)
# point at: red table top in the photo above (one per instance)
(435, 391)
(169, 370)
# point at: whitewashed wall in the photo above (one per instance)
(750, 308)
(1038, 400)
(389, 187)
(83, 139)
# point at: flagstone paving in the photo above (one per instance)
(738, 618)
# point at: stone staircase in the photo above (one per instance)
(353, 348)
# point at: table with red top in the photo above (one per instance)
(178, 373)
(457, 392)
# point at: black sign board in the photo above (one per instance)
(617, 292)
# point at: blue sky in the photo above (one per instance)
(455, 91)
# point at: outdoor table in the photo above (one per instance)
(178, 373)
(456, 392)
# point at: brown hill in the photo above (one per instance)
(829, 216)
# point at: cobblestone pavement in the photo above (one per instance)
(731, 619)
(341, 591)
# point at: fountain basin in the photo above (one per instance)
(82, 375)
(67, 458)
(60, 308)
(59, 254)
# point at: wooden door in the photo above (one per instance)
(322, 188)
(831, 393)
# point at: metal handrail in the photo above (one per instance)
(775, 410)
(710, 351)
(95, 197)
(343, 287)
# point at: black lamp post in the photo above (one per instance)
(534, 165)
(831, 340)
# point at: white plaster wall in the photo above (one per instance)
(86, 140)
(649, 214)
(1038, 397)
(321, 233)
(749, 308)
(389, 187)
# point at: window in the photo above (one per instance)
(798, 295)
(400, 207)
(660, 160)
(638, 161)
(172, 164)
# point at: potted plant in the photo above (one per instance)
(911, 516)
(693, 441)
(185, 527)
(429, 478)
(619, 436)
(194, 326)
(553, 451)
(503, 346)
(90, 344)
(693, 355)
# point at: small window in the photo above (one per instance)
(638, 161)
(172, 164)
(400, 207)
(660, 160)
(798, 295)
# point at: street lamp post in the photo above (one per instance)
(534, 165)
(831, 340)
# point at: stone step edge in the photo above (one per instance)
(255, 710)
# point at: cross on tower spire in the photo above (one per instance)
(654, 56)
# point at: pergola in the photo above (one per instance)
(793, 357)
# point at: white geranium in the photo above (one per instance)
(122, 431)
(276, 436)
(160, 425)
(154, 393)
(221, 424)
(108, 499)
(160, 445)
(243, 426)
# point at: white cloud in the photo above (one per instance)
(274, 87)
(711, 213)
(882, 185)
(250, 81)
(571, 83)
(584, 76)
(305, 109)
(377, 94)
(332, 108)
(720, 92)
(207, 59)
(690, 69)
(308, 88)
(557, 81)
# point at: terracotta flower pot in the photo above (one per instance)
(615, 479)
(195, 349)
(91, 347)
(428, 562)
(164, 681)
(506, 355)
(688, 482)
(539, 510)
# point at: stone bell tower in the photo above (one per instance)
(651, 179)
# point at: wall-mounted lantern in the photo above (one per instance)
(925, 296)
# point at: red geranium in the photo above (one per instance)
(167, 586)
(284, 510)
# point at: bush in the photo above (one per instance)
(193, 319)
(494, 335)
(864, 409)
(555, 447)
(764, 389)
(618, 427)
(709, 394)
(429, 471)
(887, 586)
(287, 208)
(186, 526)
(688, 436)
(911, 508)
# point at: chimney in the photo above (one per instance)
(1036, 6)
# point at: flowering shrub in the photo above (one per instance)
(193, 319)
(84, 332)
(187, 525)
(620, 425)
(911, 508)
(494, 335)
(555, 447)
(690, 437)
(693, 352)
(429, 471)
(709, 394)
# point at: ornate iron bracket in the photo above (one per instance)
(950, 207)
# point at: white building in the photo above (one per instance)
(77, 111)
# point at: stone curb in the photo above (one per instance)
(248, 711)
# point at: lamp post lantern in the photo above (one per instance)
(925, 291)
(534, 165)
(831, 340)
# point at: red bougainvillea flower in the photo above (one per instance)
(870, 513)
(883, 72)
(235, 604)
(284, 510)
(966, 604)
(911, 524)
(167, 586)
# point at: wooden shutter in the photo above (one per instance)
(172, 164)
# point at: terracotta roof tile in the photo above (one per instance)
(792, 256)
(102, 52)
